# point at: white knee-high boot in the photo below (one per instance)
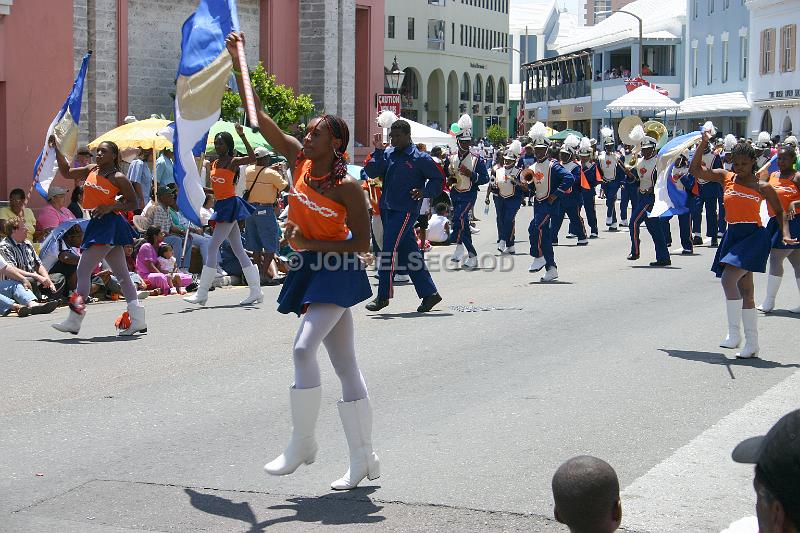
(254, 282)
(77, 310)
(797, 309)
(773, 284)
(302, 448)
(206, 279)
(364, 463)
(734, 312)
(138, 324)
(750, 322)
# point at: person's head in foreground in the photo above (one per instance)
(586, 495)
(777, 474)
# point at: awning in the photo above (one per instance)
(714, 103)
(643, 98)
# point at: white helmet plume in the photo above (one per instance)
(515, 147)
(585, 145)
(465, 122)
(637, 134)
(764, 137)
(606, 134)
(709, 126)
(537, 131)
(729, 142)
(571, 142)
(386, 119)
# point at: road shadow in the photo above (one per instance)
(785, 313)
(196, 308)
(91, 340)
(657, 267)
(718, 358)
(555, 282)
(409, 314)
(355, 507)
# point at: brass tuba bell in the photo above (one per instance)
(656, 130)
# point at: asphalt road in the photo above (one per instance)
(474, 410)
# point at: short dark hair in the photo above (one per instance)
(789, 149)
(586, 491)
(745, 150)
(16, 192)
(440, 208)
(164, 248)
(402, 125)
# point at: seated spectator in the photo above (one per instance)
(646, 70)
(207, 211)
(76, 203)
(63, 258)
(439, 226)
(586, 494)
(166, 216)
(167, 265)
(18, 252)
(147, 265)
(16, 295)
(55, 212)
(17, 210)
(776, 457)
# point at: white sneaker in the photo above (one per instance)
(623, 223)
(509, 250)
(550, 275)
(582, 242)
(608, 221)
(501, 246)
(571, 236)
(402, 278)
(458, 254)
(538, 264)
(474, 230)
(471, 262)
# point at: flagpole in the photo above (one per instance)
(248, 88)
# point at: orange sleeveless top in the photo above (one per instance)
(98, 191)
(222, 182)
(742, 204)
(318, 217)
(786, 189)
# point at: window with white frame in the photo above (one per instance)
(694, 66)
(724, 61)
(696, 10)
(710, 55)
(710, 7)
(788, 47)
(743, 56)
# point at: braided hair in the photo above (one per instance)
(338, 129)
(227, 139)
(745, 150)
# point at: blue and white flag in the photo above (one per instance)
(770, 167)
(65, 128)
(203, 74)
(671, 197)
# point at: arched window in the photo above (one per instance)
(490, 90)
(787, 127)
(501, 91)
(465, 85)
(477, 89)
(766, 122)
(410, 87)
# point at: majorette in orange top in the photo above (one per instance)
(786, 189)
(742, 204)
(98, 191)
(222, 182)
(308, 209)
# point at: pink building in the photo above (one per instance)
(334, 54)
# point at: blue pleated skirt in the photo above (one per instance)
(232, 209)
(111, 228)
(745, 246)
(776, 233)
(330, 278)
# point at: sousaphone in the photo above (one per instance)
(656, 130)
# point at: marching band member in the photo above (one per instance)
(570, 204)
(507, 200)
(763, 149)
(745, 247)
(629, 195)
(525, 160)
(786, 182)
(328, 223)
(709, 197)
(408, 176)
(106, 235)
(646, 173)
(590, 178)
(549, 182)
(491, 192)
(465, 172)
(613, 174)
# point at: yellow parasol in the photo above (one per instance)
(139, 134)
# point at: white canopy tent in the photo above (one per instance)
(643, 98)
(421, 133)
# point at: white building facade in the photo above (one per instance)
(445, 49)
(774, 89)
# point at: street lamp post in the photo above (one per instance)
(637, 17)
(395, 76)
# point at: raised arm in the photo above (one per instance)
(284, 144)
(251, 155)
(696, 167)
(77, 173)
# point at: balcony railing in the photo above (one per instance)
(565, 91)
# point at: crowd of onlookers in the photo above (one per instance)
(38, 270)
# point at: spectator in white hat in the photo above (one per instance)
(55, 212)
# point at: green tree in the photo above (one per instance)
(278, 100)
(496, 134)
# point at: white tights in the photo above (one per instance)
(115, 257)
(776, 258)
(230, 231)
(331, 325)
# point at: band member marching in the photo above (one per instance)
(763, 149)
(571, 203)
(549, 182)
(590, 178)
(465, 172)
(786, 182)
(745, 247)
(508, 196)
(612, 171)
(328, 224)
(644, 174)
